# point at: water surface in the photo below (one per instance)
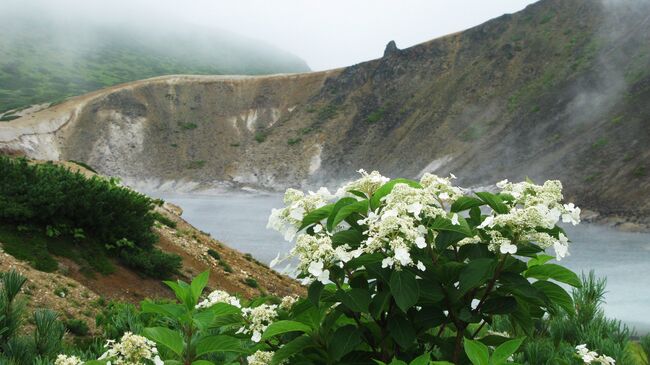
(239, 220)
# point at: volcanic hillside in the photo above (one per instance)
(558, 90)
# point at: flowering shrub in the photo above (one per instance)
(400, 268)
(399, 272)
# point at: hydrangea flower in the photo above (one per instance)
(288, 301)
(592, 357)
(131, 350)
(262, 358)
(219, 296)
(67, 360)
(258, 320)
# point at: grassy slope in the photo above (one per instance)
(44, 62)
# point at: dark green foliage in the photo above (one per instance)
(225, 266)
(117, 318)
(327, 112)
(48, 333)
(556, 336)
(375, 116)
(77, 327)
(151, 262)
(104, 214)
(28, 246)
(46, 194)
(639, 172)
(214, 254)
(11, 309)
(260, 136)
(292, 141)
(198, 164)
(251, 282)
(7, 118)
(187, 126)
(163, 219)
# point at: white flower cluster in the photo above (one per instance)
(533, 206)
(288, 302)
(219, 296)
(131, 350)
(67, 360)
(315, 252)
(288, 219)
(591, 357)
(399, 225)
(367, 184)
(262, 358)
(258, 320)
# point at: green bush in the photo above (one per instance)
(163, 219)
(214, 254)
(45, 194)
(260, 136)
(187, 126)
(54, 199)
(375, 116)
(153, 262)
(292, 141)
(77, 327)
(251, 282)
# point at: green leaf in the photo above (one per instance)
(316, 216)
(356, 299)
(555, 272)
(280, 327)
(401, 330)
(539, 260)
(297, 345)
(182, 291)
(444, 224)
(344, 340)
(166, 337)
(198, 284)
(335, 211)
(169, 310)
(314, 293)
(476, 273)
(219, 343)
(423, 359)
(202, 362)
(365, 259)
(404, 288)
(556, 295)
(351, 237)
(464, 203)
(223, 309)
(385, 189)
(494, 201)
(379, 303)
(357, 207)
(499, 305)
(505, 350)
(477, 352)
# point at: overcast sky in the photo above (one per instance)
(325, 33)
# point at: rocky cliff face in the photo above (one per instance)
(559, 90)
